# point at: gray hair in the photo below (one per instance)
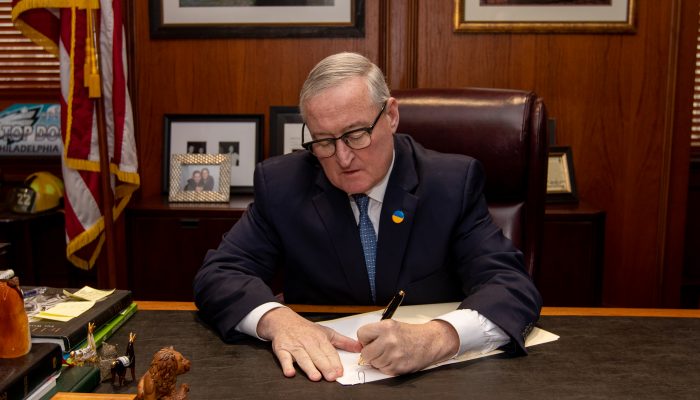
(334, 70)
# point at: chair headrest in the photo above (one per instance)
(492, 125)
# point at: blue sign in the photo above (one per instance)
(31, 129)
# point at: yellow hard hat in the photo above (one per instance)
(42, 191)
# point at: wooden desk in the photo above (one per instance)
(602, 353)
(546, 311)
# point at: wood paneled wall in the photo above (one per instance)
(224, 76)
(610, 95)
(614, 97)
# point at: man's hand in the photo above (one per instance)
(396, 348)
(312, 346)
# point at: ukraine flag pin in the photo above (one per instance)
(398, 217)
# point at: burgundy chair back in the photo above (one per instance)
(504, 129)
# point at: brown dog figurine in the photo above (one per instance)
(159, 381)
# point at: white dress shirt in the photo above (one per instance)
(476, 332)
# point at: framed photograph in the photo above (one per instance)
(174, 19)
(285, 130)
(239, 136)
(200, 178)
(592, 16)
(561, 181)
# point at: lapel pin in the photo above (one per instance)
(398, 217)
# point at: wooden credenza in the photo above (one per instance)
(571, 271)
(167, 242)
(36, 250)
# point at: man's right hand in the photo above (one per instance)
(311, 346)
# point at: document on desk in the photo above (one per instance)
(418, 314)
(88, 293)
(66, 311)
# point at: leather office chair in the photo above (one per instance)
(504, 129)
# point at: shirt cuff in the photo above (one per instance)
(249, 323)
(476, 332)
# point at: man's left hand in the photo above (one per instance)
(396, 348)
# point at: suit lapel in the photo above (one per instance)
(333, 207)
(393, 236)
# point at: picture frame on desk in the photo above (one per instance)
(200, 178)
(285, 130)
(240, 136)
(545, 16)
(561, 180)
(258, 19)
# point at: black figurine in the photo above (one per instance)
(127, 361)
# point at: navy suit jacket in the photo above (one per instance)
(446, 249)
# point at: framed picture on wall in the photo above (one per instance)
(544, 16)
(285, 130)
(239, 136)
(173, 19)
(561, 180)
(200, 178)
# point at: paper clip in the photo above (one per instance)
(361, 375)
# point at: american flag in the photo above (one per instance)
(61, 27)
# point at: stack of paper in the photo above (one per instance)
(419, 314)
(86, 298)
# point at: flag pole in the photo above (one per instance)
(105, 279)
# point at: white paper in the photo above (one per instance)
(348, 326)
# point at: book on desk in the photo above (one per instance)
(70, 334)
(31, 377)
(22, 375)
(74, 380)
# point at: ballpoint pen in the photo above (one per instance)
(393, 305)
(33, 292)
(389, 312)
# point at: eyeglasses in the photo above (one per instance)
(355, 139)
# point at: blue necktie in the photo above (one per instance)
(368, 238)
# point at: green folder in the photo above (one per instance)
(105, 331)
(86, 378)
(76, 379)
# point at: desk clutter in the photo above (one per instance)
(56, 316)
(49, 338)
(53, 340)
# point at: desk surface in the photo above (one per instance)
(546, 311)
(640, 357)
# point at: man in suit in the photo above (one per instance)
(364, 213)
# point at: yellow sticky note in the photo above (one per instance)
(66, 311)
(62, 318)
(88, 293)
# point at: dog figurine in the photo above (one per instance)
(127, 361)
(159, 381)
